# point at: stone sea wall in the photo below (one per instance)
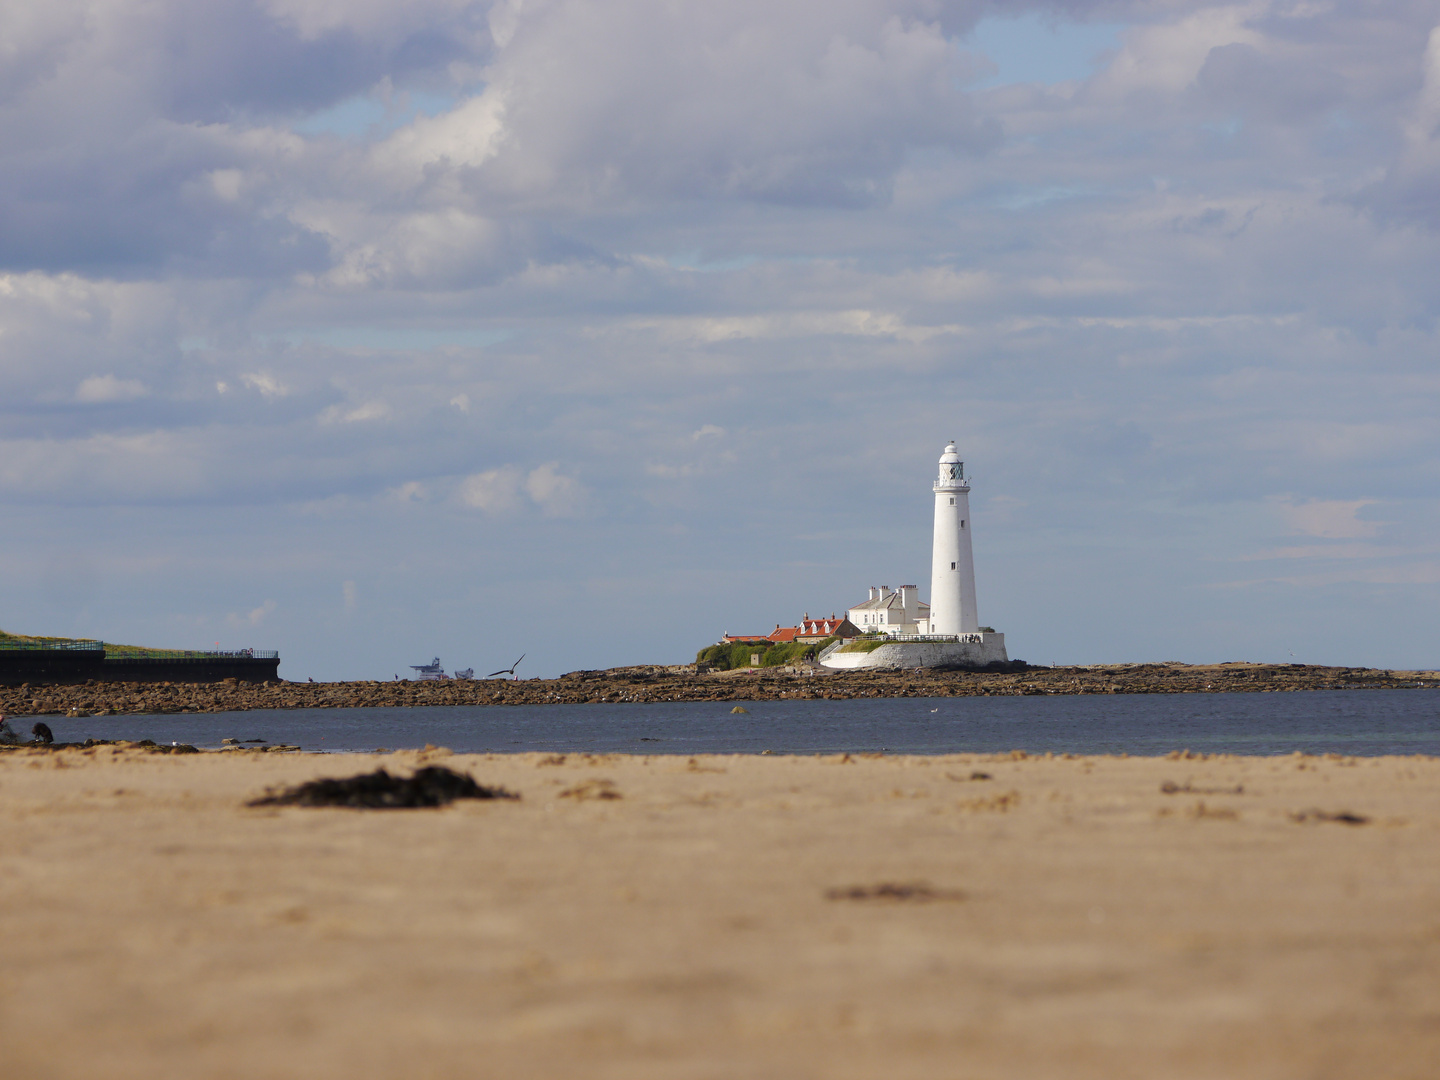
(905, 655)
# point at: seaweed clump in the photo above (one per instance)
(433, 785)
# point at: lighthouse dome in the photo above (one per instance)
(952, 471)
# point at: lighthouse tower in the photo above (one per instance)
(952, 566)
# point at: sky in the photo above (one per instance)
(371, 331)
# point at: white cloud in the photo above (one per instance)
(1202, 279)
(498, 491)
(410, 491)
(556, 494)
(857, 322)
(265, 383)
(107, 388)
(1327, 519)
(358, 414)
(252, 618)
(669, 472)
(1167, 56)
(227, 183)
(495, 491)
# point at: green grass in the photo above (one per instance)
(772, 654)
(36, 641)
(864, 645)
(39, 640)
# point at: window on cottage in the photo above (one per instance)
(962, 523)
(952, 502)
(952, 566)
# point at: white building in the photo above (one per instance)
(952, 564)
(891, 611)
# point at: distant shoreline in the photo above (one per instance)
(660, 683)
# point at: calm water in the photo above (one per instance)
(1322, 721)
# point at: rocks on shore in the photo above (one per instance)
(683, 683)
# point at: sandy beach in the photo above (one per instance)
(715, 917)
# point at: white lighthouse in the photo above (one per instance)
(952, 566)
(952, 618)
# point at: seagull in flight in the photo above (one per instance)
(507, 671)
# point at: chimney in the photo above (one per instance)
(874, 593)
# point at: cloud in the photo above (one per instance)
(1410, 187)
(359, 414)
(746, 100)
(556, 494)
(254, 617)
(1327, 519)
(495, 491)
(860, 323)
(1177, 310)
(265, 383)
(1422, 573)
(105, 388)
(498, 491)
(670, 472)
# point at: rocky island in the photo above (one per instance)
(657, 683)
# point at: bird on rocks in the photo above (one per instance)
(42, 733)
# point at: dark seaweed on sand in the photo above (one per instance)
(433, 785)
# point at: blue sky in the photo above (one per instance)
(377, 331)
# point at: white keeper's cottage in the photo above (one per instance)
(892, 611)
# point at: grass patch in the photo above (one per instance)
(772, 654)
(112, 651)
(863, 645)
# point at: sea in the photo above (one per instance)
(1350, 722)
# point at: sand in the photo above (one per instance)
(723, 917)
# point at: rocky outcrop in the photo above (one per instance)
(684, 683)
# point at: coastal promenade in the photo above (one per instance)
(682, 683)
(777, 918)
